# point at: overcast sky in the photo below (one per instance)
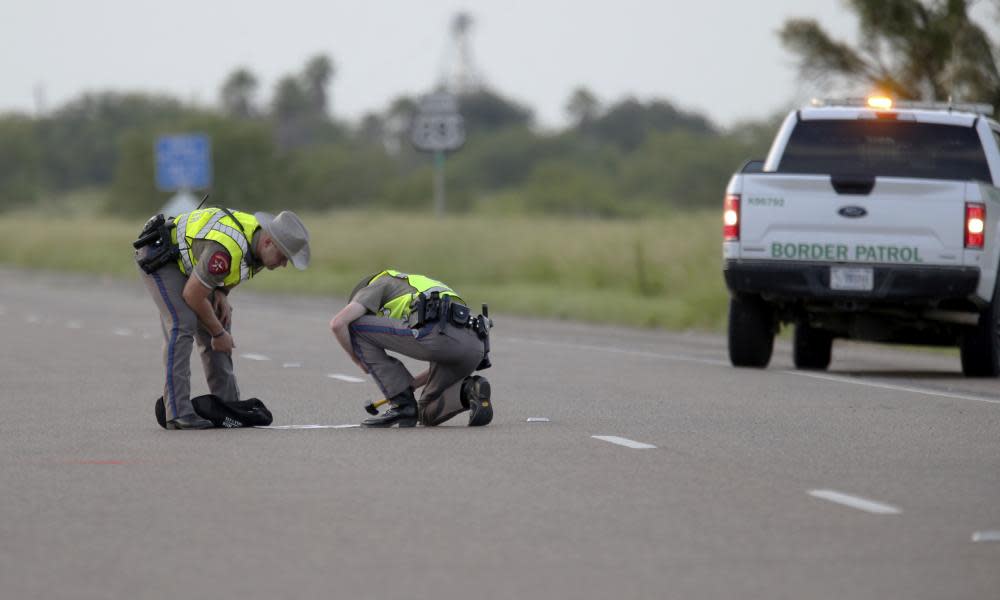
(719, 57)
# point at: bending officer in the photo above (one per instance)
(189, 264)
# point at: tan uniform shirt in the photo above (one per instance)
(374, 295)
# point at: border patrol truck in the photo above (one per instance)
(868, 220)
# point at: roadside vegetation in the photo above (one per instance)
(662, 272)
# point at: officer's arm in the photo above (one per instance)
(196, 295)
(340, 326)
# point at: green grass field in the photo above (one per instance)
(663, 272)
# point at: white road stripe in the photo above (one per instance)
(122, 331)
(252, 356)
(856, 502)
(614, 439)
(706, 361)
(291, 365)
(347, 378)
(74, 325)
(895, 388)
(614, 350)
(986, 536)
(307, 426)
(538, 419)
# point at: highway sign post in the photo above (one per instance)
(438, 128)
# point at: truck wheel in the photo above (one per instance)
(980, 347)
(751, 331)
(811, 348)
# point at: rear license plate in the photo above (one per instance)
(855, 279)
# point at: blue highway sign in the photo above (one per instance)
(183, 162)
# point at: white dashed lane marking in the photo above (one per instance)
(74, 325)
(986, 536)
(122, 331)
(252, 356)
(347, 378)
(871, 506)
(291, 365)
(614, 439)
(537, 419)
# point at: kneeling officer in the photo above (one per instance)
(424, 319)
(189, 265)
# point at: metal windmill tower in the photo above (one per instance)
(460, 73)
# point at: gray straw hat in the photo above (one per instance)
(289, 234)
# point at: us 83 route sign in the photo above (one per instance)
(438, 126)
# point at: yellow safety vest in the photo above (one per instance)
(214, 224)
(399, 307)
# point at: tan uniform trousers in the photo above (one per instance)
(181, 328)
(453, 353)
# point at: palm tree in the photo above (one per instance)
(913, 49)
(237, 94)
(316, 76)
(582, 106)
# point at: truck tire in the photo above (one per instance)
(811, 348)
(980, 346)
(751, 331)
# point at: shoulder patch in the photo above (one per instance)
(218, 263)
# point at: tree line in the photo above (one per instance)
(625, 158)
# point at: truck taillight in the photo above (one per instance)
(731, 218)
(975, 225)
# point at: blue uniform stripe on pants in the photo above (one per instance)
(170, 345)
(380, 329)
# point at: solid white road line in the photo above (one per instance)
(986, 536)
(308, 426)
(706, 361)
(252, 356)
(614, 350)
(614, 439)
(896, 388)
(864, 504)
(347, 378)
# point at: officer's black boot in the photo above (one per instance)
(476, 397)
(402, 411)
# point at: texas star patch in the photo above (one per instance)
(219, 263)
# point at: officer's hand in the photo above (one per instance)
(223, 343)
(223, 310)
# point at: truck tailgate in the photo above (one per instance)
(804, 218)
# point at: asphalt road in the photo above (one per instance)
(877, 479)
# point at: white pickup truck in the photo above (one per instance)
(868, 221)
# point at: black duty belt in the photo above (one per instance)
(428, 310)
